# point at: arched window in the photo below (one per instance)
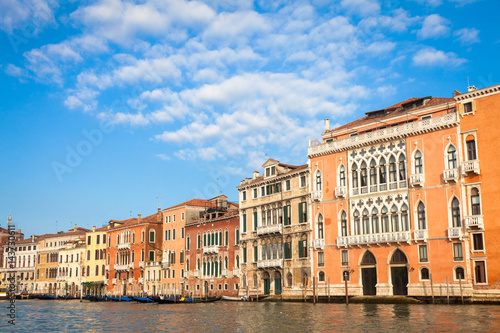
(373, 172)
(345, 275)
(398, 257)
(375, 225)
(402, 167)
(289, 280)
(366, 222)
(394, 218)
(385, 220)
(357, 227)
(382, 172)
(318, 180)
(392, 169)
(103, 270)
(405, 225)
(342, 175)
(452, 157)
(368, 259)
(321, 276)
(418, 162)
(343, 224)
(355, 183)
(364, 178)
(424, 273)
(475, 202)
(321, 234)
(455, 213)
(459, 273)
(96, 270)
(422, 225)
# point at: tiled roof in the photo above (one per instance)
(153, 218)
(192, 202)
(393, 110)
(261, 178)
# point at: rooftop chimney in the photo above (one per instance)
(255, 174)
(471, 88)
(327, 124)
(139, 218)
(93, 228)
(75, 227)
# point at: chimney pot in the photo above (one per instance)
(327, 124)
(255, 174)
(93, 228)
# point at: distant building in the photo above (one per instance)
(275, 226)
(94, 261)
(71, 269)
(212, 250)
(23, 264)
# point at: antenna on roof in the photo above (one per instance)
(159, 201)
(468, 83)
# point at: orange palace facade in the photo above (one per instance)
(403, 198)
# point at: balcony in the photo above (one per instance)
(196, 273)
(211, 249)
(455, 232)
(316, 195)
(114, 281)
(236, 271)
(417, 179)
(450, 175)
(131, 280)
(474, 221)
(318, 243)
(224, 272)
(470, 166)
(140, 280)
(61, 278)
(153, 263)
(124, 267)
(387, 237)
(124, 246)
(421, 235)
(341, 191)
(141, 264)
(269, 263)
(389, 133)
(269, 229)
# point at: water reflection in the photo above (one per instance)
(73, 316)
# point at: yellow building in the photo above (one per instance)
(94, 261)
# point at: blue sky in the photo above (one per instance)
(111, 108)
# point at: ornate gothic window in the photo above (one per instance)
(418, 162)
(422, 225)
(342, 176)
(455, 213)
(475, 202)
(452, 157)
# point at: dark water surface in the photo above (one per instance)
(73, 316)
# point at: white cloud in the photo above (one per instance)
(13, 70)
(467, 36)
(163, 157)
(432, 57)
(434, 26)
(27, 18)
(461, 3)
(361, 7)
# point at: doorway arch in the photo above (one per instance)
(399, 273)
(267, 283)
(369, 274)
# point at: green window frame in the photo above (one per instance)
(244, 222)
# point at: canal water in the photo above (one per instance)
(73, 316)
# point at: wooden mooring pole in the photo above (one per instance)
(447, 292)
(461, 292)
(314, 289)
(432, 289)
(346, 291)
(328, 289)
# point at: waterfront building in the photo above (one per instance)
(71, 268)
(395, 198)
(172, 262)
(479, 177)
(275, 227)
(94, 261)
(130, 245)
(48, 259)
(212, 250)
(23, 264)
(5, 234)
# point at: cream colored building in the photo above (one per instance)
(70, 268)
(275, 227)
(23, 266)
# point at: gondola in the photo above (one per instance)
(183, 300)
(96, 298)
(143, 299)
(119, 299)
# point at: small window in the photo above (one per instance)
(344, 258)
(151, 255)
(151, 236)
(422, 253)
(471, 149)
(426, 117)
(182, 216)
(287, 185)
(468, 107)
(457, 252)
(321, 276)
(477, 240)
(321, 259)
(174, 218)
(254, 193)
(302, 181)
(353, 134)
(244, 195)
(424, 273)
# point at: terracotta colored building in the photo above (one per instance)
(173, 263)
(275, 226)
(402, 196)
(130, 245)
(212, 250)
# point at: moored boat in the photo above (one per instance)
(234, 299)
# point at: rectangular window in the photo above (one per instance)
(457, 252)
(151, 255)
(255, 254)
(262, 191)
(182, 232)
(173, 234)
(321, 259)
(245, 255)
(199, 242)
(468, 107)
(288, 250)
(480, 271)
(244, 195)
(88, 240)
(471, 150)
(477, 240)
(182, 216)
(174, 217)
(302, 212)
(244, 223)
(254, 193)
(237, 236)
(151, 236)
(302, 182)
(303, 249)
(287, 185)
(98, 239)
(422, 253)
(344, 258)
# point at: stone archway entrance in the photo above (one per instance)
(267, 283)
(277, 283)
(369, 274)
(399, 273)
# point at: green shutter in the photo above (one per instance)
(205, 240)
(244, 222)
(245, 255)
(285, 214)
(254, 220)
(226, 242)
(187, 245)
(220, 238)
(255, 255)
(199, 241)
(237, 236)
(301, 249)
(300, 213)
